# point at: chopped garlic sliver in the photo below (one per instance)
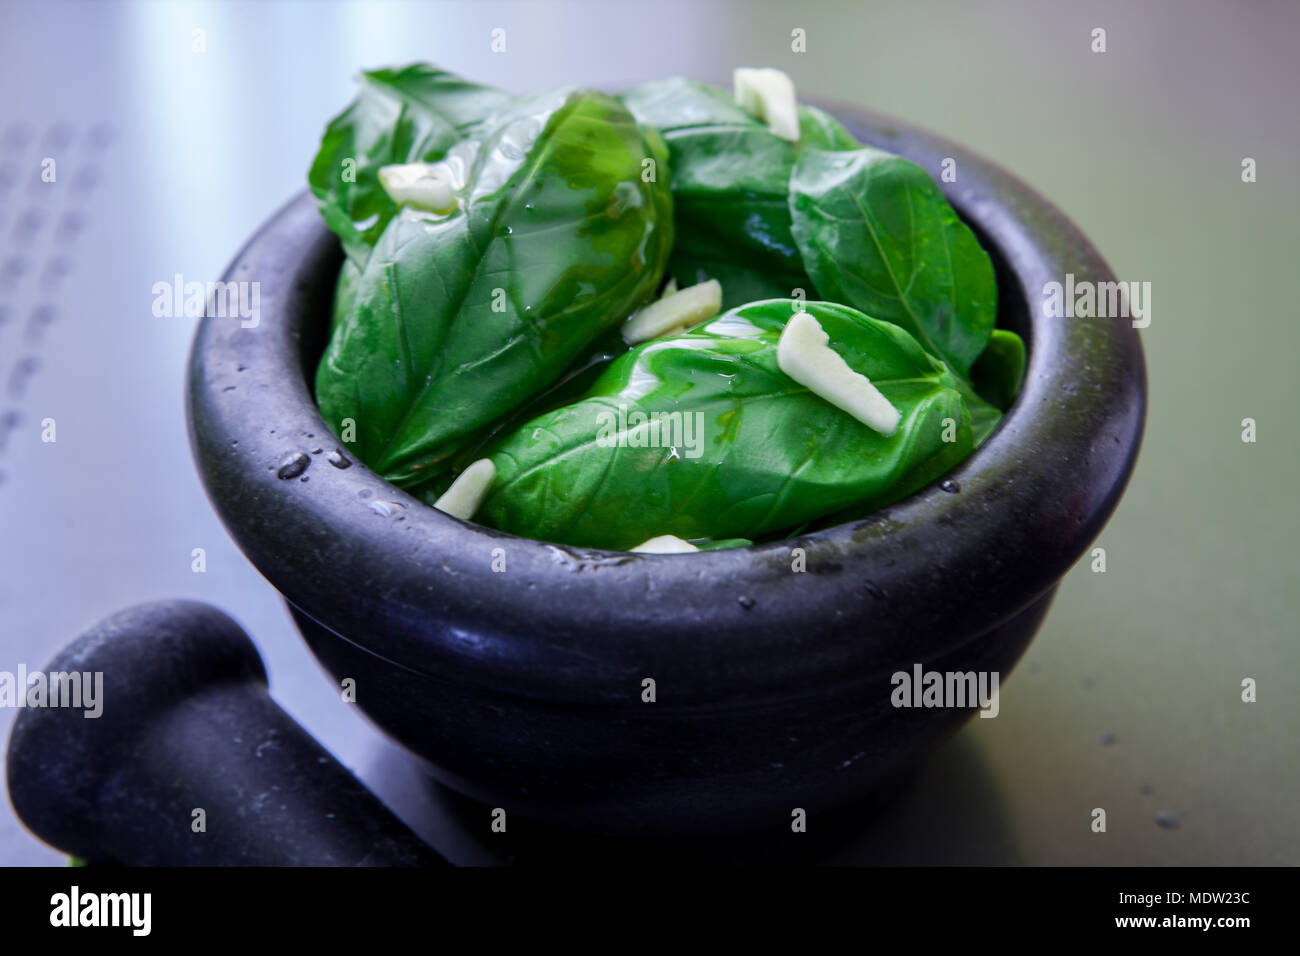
(429, 186)
(665, 544)
(670, 288)
(769, 95)
(466, 493)
(803, 353)
(687, 307)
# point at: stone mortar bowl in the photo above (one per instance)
(523, 689)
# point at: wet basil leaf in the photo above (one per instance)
(742, 451)
(877, 233)
(456, 320)
(730, 180)
(414, 114)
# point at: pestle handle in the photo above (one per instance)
(187, 724)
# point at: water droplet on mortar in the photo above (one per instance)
(293, 466)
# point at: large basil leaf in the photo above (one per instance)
(456, 320)
(730, 180)
(771, 454)
(409, 115)
(877, 233)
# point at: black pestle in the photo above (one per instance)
(190, 762)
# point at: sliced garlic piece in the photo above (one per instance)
(802, 353)
(670, 288)
(665, 544)
(687, 307)
(769, 95)
(430, 186)
(466, 493)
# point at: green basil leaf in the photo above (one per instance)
(573, 383)
(920, 476)
(344, 291)
(730, 180)
(720, 544)
(742, 451)
(413, 114)
(984, 417)
(819, 130)
(999, 371)
(877, 233)
(457, 320)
